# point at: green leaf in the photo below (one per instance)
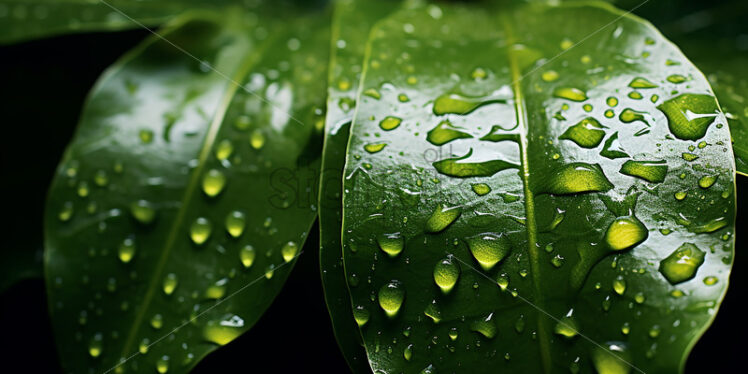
(185, 196)
(28, 19)
(350, 29)
(564, 262)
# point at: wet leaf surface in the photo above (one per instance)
(574, 255)
(186, 195)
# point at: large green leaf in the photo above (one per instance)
(352, 21)
(534, 190)
(181, 205)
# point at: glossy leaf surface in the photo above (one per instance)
(352, 21)
(182, 203)
(493, 228)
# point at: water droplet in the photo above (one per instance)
(680, 195)
(444, 133)
(689, 115)
(446, 274)
(629, 115)
(707, 181)
(373, 93)
(454, 168)
(95, 346)
(235, 223)
(257, 139)
(143, 211)
(374, 147)
(403, 98)
(144, 346)
(391, 297)
(213, 182)
(361, 315)
(66, 212)
(654, 331)
(635, 95)
(126, 250)
(223, 331)
(611, 101)
(676, 78)
(162, 365)
(157, 321)
(489, 249)
(611, 358)
(625, 328)
(575, 178)
(481, 189)
(485, 326)
(200, 230)
(217, 290)
(242, 123)
(408, 352)
(587, 133)
(442, 217)
(567, 326)
(146, 136)
(619, 285)
(170, 283)
(391, 244)
(557, 260)
(247, 255)
(569, 93)
(432, 311)
(641, 83)
(650, 171)
(390, 123)
(549, 76)
(289, 251)
(710, 280)
(478, 73)
(224, 149)
(682, 264)
(459, 104)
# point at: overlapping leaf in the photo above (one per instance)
(539, 189)
(350, 29)
(188, 182)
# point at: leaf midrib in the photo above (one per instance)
(252, 58)
(531, 224)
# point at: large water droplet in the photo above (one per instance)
(217, 290)
(235, 223)
(485, 326)
(361, 315)
(650, 171)
(200, 230)
(587, 133)
(460, 104)
(625, 232)
(611, 358)
(682, 264)
(575, 178)
(442, 217)
(223, 331)
(570, 93)
(689, 115)
(446, 274)
(390, 123)
(247, 255)
(213, 182)
(391, 244)
(444, 133)
(289, 251)
(454, 168)
(391, 297)
(489, 248)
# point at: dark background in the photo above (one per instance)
(42, 87)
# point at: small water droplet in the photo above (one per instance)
(95, 345)
(374, 147)
(446, 274)
(361, 315)
(489, 248)
(235, 223)
(170, 283)
(157, 321)
(213, 182)
(707, 181)
(641, 83)
(619, 285)
(217, 290)
(485, 326)
(247, 255)
(289, 251)
(126, 250)
(441, 218)
(162, 365)
(224, 330)
(257, 139)
(570, 93)
(200, 230)
(611, 358)
(143, 211)
(390, 123)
